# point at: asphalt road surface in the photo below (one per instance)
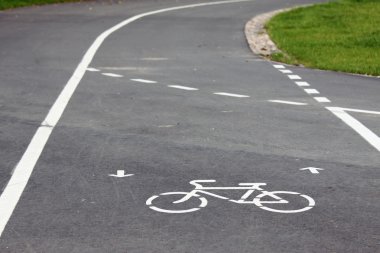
(158, 102)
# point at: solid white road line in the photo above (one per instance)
(362, 130)
(93, 70)
(182, 87)
(21, 174)
(362, 111)
(285, 71)
(311, 91)
(302, 84)
(143, 81)
(322, 99)
(111, 75)
(279, 66)
(294, 77)
(231, 95)
(287, 102)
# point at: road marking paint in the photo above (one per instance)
(143, 81)
(285, 71)
(93, 70)
(287, 102)
(154, 59)
(311, 91)
(362, 111)
(356, 125)
(322, 99)
(302, 84)
(111, 75)
(279, 66)
(294, 77)
(182, 87)
(124, 68)
(313, 170)
(165, 126)
(227, 111)
(24, 168)
(231, 95)
(120, 173)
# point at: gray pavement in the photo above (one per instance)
(169, 136)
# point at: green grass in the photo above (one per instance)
(343, 35)
(8, 4)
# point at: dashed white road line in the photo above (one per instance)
(311, 91)
(294, 77)
(231, 95)
(287, 102)
(322, 99)
(182, 87)
(24, 168)
(285, 71)
(143, 81)
(278, 66)
(112, 75)
(303, 84)
(93, 70)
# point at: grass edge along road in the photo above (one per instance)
(9, 4)
(342, 35)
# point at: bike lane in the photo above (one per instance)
(168, 137)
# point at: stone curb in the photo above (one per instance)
(257, 37)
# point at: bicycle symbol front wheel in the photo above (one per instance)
(176, 207)
(261, 203)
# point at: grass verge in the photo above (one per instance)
(343, 35)
(9, 4)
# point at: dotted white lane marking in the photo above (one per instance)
(92, 69)
(287, 102)
(231, 95)
(112, 75)
(279, 66)
(322, 99)
(294, 77)
(182, 87)
(285, 71)
(311, 91)
(303, 84)
(143, 81)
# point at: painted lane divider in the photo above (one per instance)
(112, 75)
(120, 173)
(182, 87)
(287, 102)
(311, 91)
(285, 71)
(322, 99)
(277, 66)
(24, 168)
(303, 84)
(143, 81)
(93, 70)
(356, 125)
(313, 170)
(231, 95)
(294, 77)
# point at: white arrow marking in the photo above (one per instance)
(121, 173)
(312, 170)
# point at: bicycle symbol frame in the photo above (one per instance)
(200, 191)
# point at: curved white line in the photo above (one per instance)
(23, 170)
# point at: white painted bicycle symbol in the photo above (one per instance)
(260, 200)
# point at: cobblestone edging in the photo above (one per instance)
(257, 37)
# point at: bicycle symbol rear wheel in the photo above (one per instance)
(203, 203)
(260, 203)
